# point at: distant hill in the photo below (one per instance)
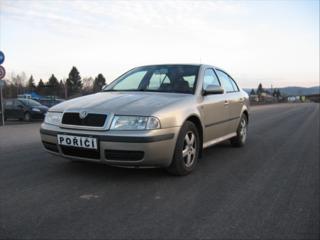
(293, 91)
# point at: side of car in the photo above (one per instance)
(23, 109)
(222, 113)
(14, 109)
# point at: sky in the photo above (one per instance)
(272, 42)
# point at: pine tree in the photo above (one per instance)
(73, 82)
(274, 92)
(278, 94)
(252, 92)
(99, 82)
(52, 86)
(260, 89)
(31, 85)
(40, 87)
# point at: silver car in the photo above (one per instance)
(151, 116)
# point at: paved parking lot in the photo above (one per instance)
(269, 189)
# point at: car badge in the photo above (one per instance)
(83, 114)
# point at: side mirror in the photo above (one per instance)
(213, 89)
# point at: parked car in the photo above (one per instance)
(155, 116)
(24, 109)
(50, 102)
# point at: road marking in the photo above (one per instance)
(89, 196)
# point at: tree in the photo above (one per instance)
(17, 82)
(61, 89)
(9, 89)
(260, 89)
(98, 83)
(40, 87)
(252, 92)
(31, 85)
(73, 82)
(87, 87)
(52, 86)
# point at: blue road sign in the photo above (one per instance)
(1, 57)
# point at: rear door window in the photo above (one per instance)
(226, 82)
(235, 86)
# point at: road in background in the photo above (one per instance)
(268, 189)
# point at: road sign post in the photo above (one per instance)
(1, 101)
(2, 74)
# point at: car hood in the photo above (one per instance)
(125, 103)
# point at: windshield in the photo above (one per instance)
(160, 78)
(30, 102)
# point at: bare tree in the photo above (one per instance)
(87, 85)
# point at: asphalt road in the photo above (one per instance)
(268, 189)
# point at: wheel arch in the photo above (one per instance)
(197, 122)
(246, 113)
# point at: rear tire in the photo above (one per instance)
(242, 131)
(186, 153)
(27, 117)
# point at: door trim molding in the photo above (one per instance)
(220, 139)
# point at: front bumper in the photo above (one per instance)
(153, 148)
(37, 115)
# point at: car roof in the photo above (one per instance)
(170, 64)
(182, 64)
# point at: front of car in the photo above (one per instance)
(127, 123)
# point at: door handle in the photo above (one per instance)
(241, 100)
(226, 102)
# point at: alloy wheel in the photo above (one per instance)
(243, 130)
(189, 149)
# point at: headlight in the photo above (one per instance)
(36, 110)
(134, 123)
(53, 118)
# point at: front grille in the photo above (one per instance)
(50, 146)
(92, 119)
(80, 152)
(124, 155)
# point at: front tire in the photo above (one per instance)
(242, 131)
(186, 153)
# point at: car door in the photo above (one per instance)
(235, 101)
(9, 108)
(18, 109)
(213, 109)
